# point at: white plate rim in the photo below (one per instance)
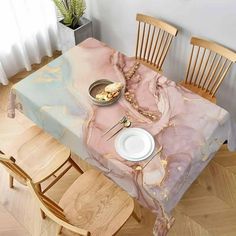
(130, 158)
(137, 132)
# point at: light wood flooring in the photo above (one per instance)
(207, 209)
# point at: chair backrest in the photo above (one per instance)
(13, 168)
(54, 211)
(154, 38)
(208, 65)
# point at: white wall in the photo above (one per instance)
(114, 23)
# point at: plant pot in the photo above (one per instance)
(70, 37)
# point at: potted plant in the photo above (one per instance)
(73, 28)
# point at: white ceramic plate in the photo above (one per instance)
(134, 144)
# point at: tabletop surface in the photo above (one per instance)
(190, 128)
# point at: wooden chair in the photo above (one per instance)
(154, 38)
(35, 155)
(208, 65)
(93, 205)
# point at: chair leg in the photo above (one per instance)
(137, 212)
(38, 186)
(60, 230)
(75, 166)
(136, 217)
(11, 180)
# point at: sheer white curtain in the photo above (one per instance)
(28, 31)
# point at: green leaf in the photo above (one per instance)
(71, 10)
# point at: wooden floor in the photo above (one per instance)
(207, 209)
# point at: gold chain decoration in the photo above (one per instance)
(130, 96)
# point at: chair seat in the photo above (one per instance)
(96, 204)
(201, 92)
(37, 153)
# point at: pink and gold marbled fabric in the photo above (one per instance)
(190, 128)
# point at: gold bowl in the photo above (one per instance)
(97, 87)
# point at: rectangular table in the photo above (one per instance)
(190, 128)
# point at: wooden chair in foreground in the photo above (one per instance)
(93, 205)
(209, 64)
(153, 41)
(35, 155)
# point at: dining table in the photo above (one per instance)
(189, 128)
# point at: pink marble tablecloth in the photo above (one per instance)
(190, 128)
